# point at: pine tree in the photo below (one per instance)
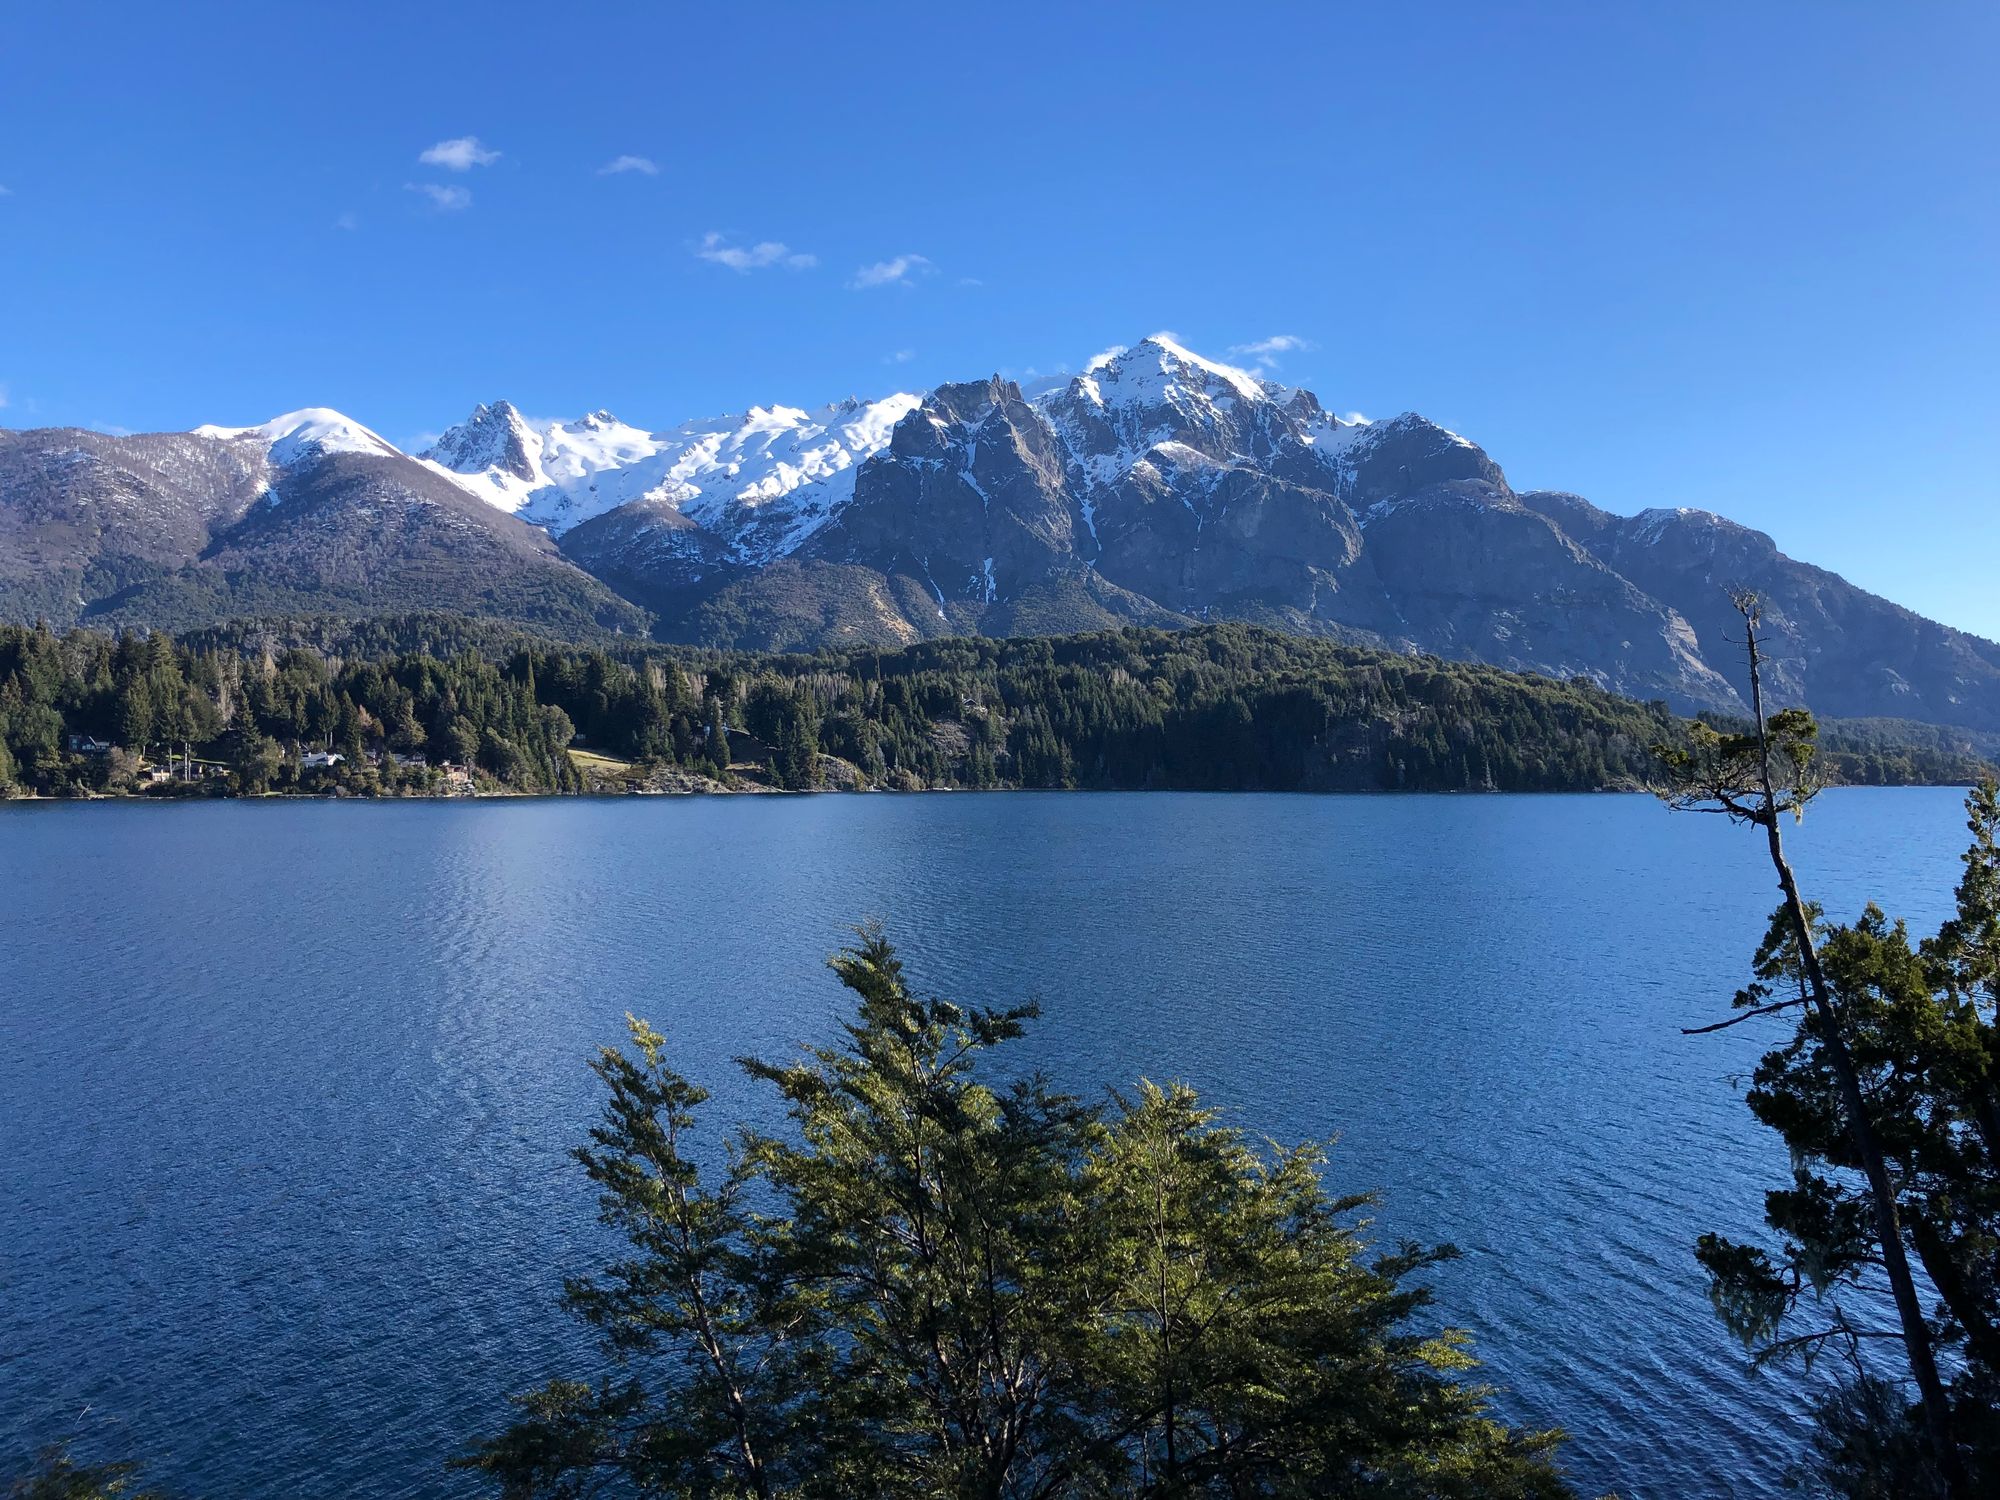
(1863, 1095)
(953, 1288)
(716, 743)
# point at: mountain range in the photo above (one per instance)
(1156, 487)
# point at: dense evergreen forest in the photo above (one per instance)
(426, 704)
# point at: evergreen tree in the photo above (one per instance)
(255, 757)
(1888, 1097)
(932, 1286)
(717, 740)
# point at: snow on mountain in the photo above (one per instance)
(763, 482)
(1128, 403)
(1158, 368)
(767, 478)
(495, 453)
(306, 434)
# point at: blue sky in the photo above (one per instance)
(1739, 257)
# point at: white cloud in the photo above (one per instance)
(900, 357)
(5, 191)
(1266, 351)
(619, 164)
(348, 221)
(444, 199)
(1354, 419)
(1104, 357)
(745, 258)
(460, 155)
(896, 271)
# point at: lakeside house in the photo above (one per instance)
(320, 760)
(84, 744)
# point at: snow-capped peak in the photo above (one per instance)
(1128, 401)
(559, 474)
(308, 433)
(493, 437)
(1156, 369)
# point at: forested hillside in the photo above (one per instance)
(430, 703)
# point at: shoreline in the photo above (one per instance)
(39, 799)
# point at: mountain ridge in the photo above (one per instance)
(1153, 487)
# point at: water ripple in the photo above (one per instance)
(287, 1090)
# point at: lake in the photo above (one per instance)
(286, 1088)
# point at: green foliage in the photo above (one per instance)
(171, 699)
(1726, 768)
(1227, 707)
(934, 1285)
(1919, 1023)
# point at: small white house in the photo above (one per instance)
(319, 760)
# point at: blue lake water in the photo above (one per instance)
(286, 1089)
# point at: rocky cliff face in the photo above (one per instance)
(1156, 487)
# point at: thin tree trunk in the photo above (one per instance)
(1949, 1278)
(1888, 1225)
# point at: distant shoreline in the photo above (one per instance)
(141, 798)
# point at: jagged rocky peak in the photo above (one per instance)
(941, 420)
(493, 437)
(1303, 407)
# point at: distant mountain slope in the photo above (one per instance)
(84, 516)
(1846, 651)
(1157, 487)
(183, 530)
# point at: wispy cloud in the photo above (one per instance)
(897, 271)
(745, 258)
(900, 357)
(459, 155)
(1102, 358)
(446, 200)
(348, 221)
(3, 398)
(618, 164)
(5, 191)
(1266, 351)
